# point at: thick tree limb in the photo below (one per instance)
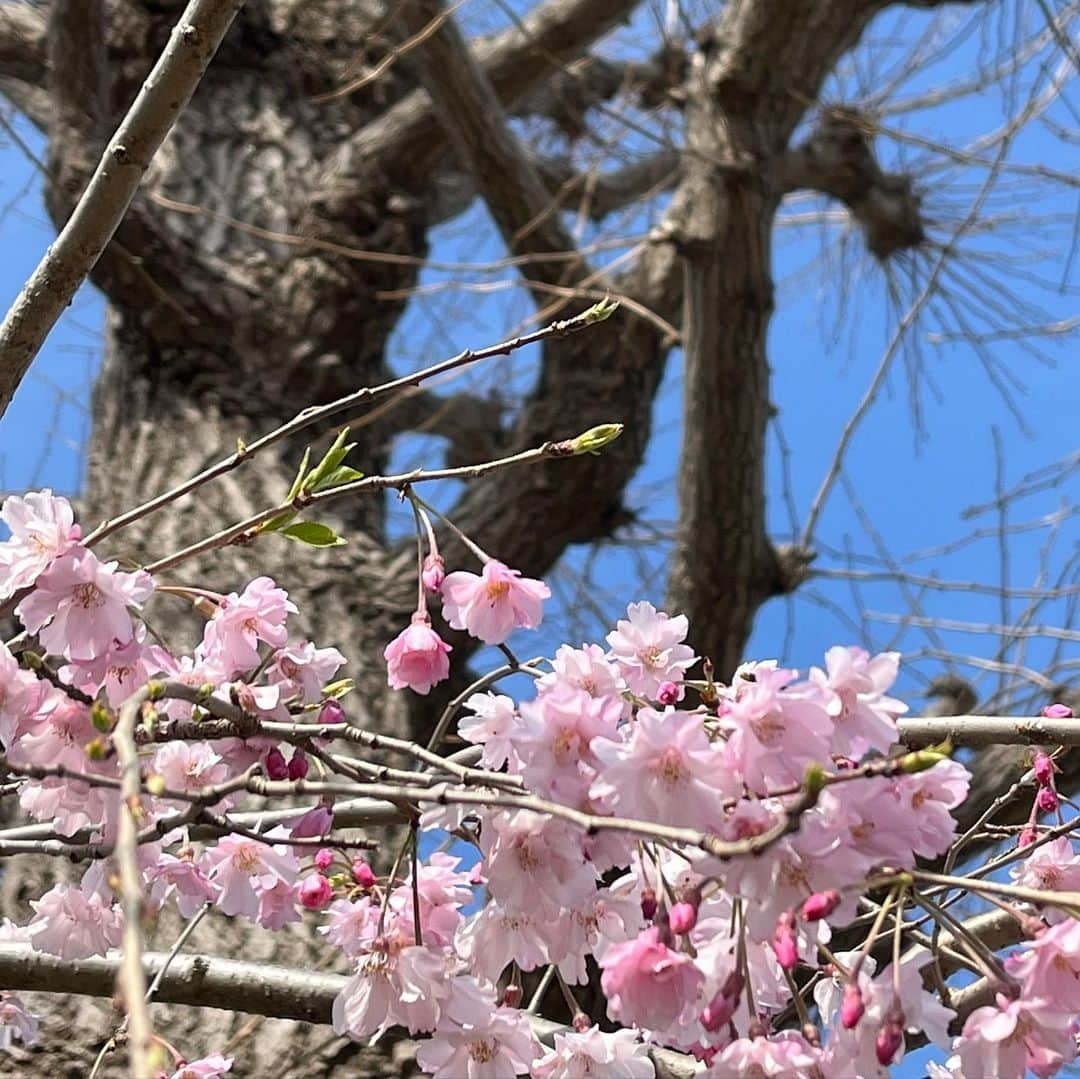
(838, 160)
(989, 730)
(504, 175)
(96, 217)
(210, 982)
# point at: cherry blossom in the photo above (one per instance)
(16, 1022)
(73, 924)
(648, 650)
(42, 529)
(1012, 1036)
(490, 606)
(243, 868)
(207, 1068)
(502, 1044)
(232, 635)
(615, 1055)
(416, 658)
(492, 725)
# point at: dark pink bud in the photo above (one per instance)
(298, 766)
(1058, 711)
(891, 1035)
(512, 995)
(851, 1006)
(324, 858)
(275, 765)
(1043, 769)
(648, 904)
(668, 693)
(820, 905)
(682, 918)
(331, 712)
(581, 1022)
(1046, 799)
(785, 944)
(1027, 836)
(363, 874)
(315, 891)
(721, 1008)
(434, 573)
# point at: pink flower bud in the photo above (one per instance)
(785, 944)
(417, 657)
(891, 1035)
(851, 1006)
(512, 995)
(820, 905)
(1058, 711)
(682, 918)
(298, 766)
(648, 904)
(324, 858)
(1043, 769)
(434, 572)
(668, 693)
(315, 891)
(331, 712)
(721, 1008)
(363, 874)
(275, 765)
(1046, 799)
(581, 1022)
(1027, 836)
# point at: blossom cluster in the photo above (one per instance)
(698, 844)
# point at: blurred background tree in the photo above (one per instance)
(843, 236)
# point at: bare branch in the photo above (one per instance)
(96, 217)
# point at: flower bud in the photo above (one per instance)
(721, 1008)
(101, 717)
(1058, 711)
(298, 766)
(648, 904)
(331, 712)
(434, 573)
(667, 693)
(596, 438)
(891, 1035)
(851, 1006)
(820, 905)
(1027, 836)
(324, 858)
(363, 874)
(275, 765)
(315, 891)
(785, 944)
(512, 995)
(1043, 767)
(581, 1022)
(1046, 799)
(682, 918)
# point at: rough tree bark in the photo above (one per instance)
(218, 328)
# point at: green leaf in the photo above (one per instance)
(334, 456)
(298, 483)
(276, 524)
(336, 690)
(343, 474)
(313, 534)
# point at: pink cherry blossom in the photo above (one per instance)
(492, 938)
(301, 670)
(242, 868)
(1050, 967)
(315, 891)
(79, 606)
(616, 1055)
(586, 668)
(73, 924)
(786, 1054)
(184, 881)
(1006, 1039)
(21, 694)
(774, 734)
(189, 766)
(392, 986)
(492, 605)
(647, 647)
(120, 670)
(492, 725)
(927, 798)
(855, 684)
(1053, 867)
(666, 771)
(232, 635)
(207, 1068)
(646, 983)
(502, 1045)
(351, 925)
(16, 1022)
(416, 658)
(278, 905)
(42, 529)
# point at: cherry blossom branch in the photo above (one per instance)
(245, 531)
(99, 211)
(367, 396)
(132, 979)
(988, 730)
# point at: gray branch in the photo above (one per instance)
(989, 731)
(95, 219)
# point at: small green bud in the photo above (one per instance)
(32, 661)
(600, 312)
(155, 784)
(101, 717)
(923, 759)
(814, 779)
(96, 749)
(596, 438)
(155, 690)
